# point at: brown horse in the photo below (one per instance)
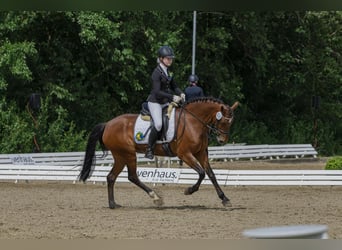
(194, 120)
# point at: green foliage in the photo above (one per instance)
(297, 131)
(13, 58)
(51, 131)
(254, 133)
(16, 132)
(55, 133)
(334, 163)
(90, 66)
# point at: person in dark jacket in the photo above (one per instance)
(162, 93)
(193, 90)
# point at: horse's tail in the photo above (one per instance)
(89, 159)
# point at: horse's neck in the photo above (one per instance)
(203, 111)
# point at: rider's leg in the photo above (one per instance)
(156, 113)
(151, 143)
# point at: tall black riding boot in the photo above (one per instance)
(151, 143)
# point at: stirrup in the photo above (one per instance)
(149, 154)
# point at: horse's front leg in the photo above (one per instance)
(221, 195)
(204, 160)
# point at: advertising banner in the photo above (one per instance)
(161, 175)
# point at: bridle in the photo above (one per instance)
(213, 128)
(218, 131)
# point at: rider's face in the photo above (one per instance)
(167, 61)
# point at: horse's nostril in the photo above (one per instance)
(219, 140)
(222, 140)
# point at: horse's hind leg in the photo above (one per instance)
(192, 162)
(111, 178)
(133, 177)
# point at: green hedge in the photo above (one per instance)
(334, 163)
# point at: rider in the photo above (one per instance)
(193, 90)
(161, 94)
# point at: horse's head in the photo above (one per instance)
(213, 114)
(223, 120)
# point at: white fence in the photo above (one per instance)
(66, 167)
(227, 152)
(224, 177)
(265, 151)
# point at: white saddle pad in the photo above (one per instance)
(141, 126)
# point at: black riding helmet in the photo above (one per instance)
(193, 78)
(166, 51)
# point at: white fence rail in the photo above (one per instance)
(66, 167)
(227, 152)
(265, 151)
(17, 173)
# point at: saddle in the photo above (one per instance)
(146, 115)
(166, 115)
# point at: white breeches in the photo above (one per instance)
(156, 110)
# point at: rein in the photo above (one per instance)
(210, 127)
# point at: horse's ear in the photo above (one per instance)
(235, 105)
(223, 108)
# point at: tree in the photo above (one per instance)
(98, 64)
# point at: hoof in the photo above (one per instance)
(158, 202)
(188, 191)
(114, 205)
(226, 203)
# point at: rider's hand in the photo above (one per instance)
(176, 98)
(183, 97)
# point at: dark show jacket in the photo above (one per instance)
(192, 92)
(162, 86)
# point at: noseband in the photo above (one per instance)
(218, 131)
(213, 128)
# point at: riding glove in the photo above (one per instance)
(183, 97)
(177, 98)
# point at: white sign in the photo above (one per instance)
(22, 160)
(219, 116)
(162, 175)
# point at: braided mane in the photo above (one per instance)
(209, 99)
(204, 99)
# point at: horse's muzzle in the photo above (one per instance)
(222, 139)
